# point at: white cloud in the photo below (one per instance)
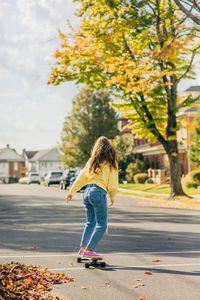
(32, 113)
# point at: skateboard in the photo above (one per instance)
(92, 262)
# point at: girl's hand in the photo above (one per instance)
(68, 198)
(111, 203)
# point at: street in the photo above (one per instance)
(150, 251)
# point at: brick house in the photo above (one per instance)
(12, 164)
(154, 154)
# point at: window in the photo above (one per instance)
(15, 166)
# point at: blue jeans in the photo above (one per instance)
(96, 212)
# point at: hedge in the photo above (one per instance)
(140, 177)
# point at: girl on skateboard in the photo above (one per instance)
(100, 176)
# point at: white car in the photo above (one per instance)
(53, 177)
(33, 178)
(23, 180)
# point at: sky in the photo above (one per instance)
(31, 112)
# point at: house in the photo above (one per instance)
(43, 161)
(154, 154)
(12, 165)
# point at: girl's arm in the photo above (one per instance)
(78, 184)
(113, 185)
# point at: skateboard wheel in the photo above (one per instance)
(87, 265)
(103, 264)
(79, 259)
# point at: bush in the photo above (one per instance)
(191, 184)
(140, 177)
(195, 176)
(134, 168)
(192, 180)
(12, 180)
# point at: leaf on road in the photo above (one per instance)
(148, 273)
(142, 298)
(70, 279)
(71, 263)
(137, 285)
(34, 248)
(156, 260)
(136, 280)
(107, 283)
(84, 288)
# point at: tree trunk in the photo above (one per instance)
(175, 176)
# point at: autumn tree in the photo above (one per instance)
(195, 137)
(140, 50)
(91, 117)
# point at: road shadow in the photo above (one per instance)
(151, 270)
(47, 223)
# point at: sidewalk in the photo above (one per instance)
(196, 197)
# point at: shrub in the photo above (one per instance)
(191, 184)
(192, 180)
(134, 168)
(195, 176)
(140, 177)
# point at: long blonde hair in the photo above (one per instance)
(103, 151)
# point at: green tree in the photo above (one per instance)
(91, 117)
(124, 146)
(141, 50)
(195, 137)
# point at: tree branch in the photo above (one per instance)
(150, 124)
(188, 12)
(190, 64)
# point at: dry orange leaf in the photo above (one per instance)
(34, 248)
(70, 279)
(137, 280)
(142, 298)
(137, 285)
(156, 260)
(148, 273)
(40, 287)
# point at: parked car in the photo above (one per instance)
(23, 180)
(65, 178)
(33, 178)
(72, 180)
(53, 177)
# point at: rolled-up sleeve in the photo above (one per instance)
(113, 183)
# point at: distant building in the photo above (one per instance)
(154, 154)
(43, 161)
(12, 165)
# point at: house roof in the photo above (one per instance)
(146, 150)
(30, 154)
(191, 109)
(193, 88)
(46, 155)
(8, 154)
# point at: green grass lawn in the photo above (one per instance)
(156, 188)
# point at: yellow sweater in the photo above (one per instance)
(106, 179)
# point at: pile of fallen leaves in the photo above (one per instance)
(21, 282)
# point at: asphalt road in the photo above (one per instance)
(35, 216)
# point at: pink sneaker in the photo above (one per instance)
(81, 252)
(91, 254)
